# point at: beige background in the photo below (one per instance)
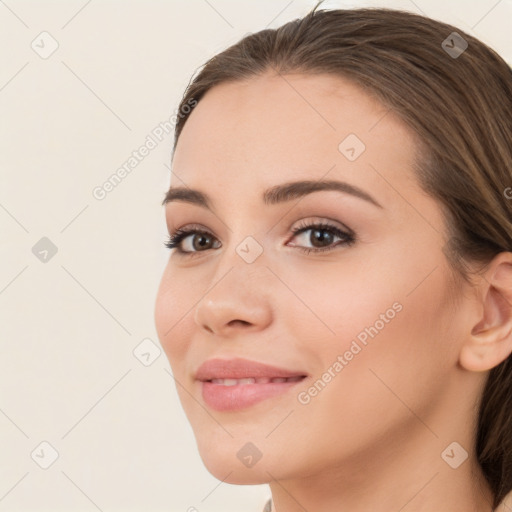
(71, 321)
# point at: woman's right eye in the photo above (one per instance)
(196, 244)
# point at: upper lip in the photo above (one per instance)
(240, 368)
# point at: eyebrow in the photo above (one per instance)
(274, 195)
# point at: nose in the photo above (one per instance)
(238, 301)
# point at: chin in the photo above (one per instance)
(236, 465)
(223, 468)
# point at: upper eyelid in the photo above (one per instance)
(332, 223)
(306, 221)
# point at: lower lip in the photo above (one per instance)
(241, 396)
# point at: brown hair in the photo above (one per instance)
(459, 105)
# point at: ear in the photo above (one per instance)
(490, 340)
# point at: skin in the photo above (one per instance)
(372, 439)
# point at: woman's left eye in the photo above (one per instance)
(317, 236)
(322, 237)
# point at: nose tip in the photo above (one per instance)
(226, 312)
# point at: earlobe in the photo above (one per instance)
(490, 340)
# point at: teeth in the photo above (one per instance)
(225, 382)
(252, 380)
(246, 381)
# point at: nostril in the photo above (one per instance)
(243, 322)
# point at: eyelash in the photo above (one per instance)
(348, 239)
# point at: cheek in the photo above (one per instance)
(335, 303)
(398, 329)
(173, 307)
(402, 357)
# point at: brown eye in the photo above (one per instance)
(200, 241)
(322, 237)
(196, 241)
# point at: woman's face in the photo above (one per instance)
(368, 327)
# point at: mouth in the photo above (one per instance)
(255, 380)
(235, 384)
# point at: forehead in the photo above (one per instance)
(273, 128)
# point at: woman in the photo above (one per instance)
(337, 306)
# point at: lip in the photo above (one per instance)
(240, 368)
(222, 397)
